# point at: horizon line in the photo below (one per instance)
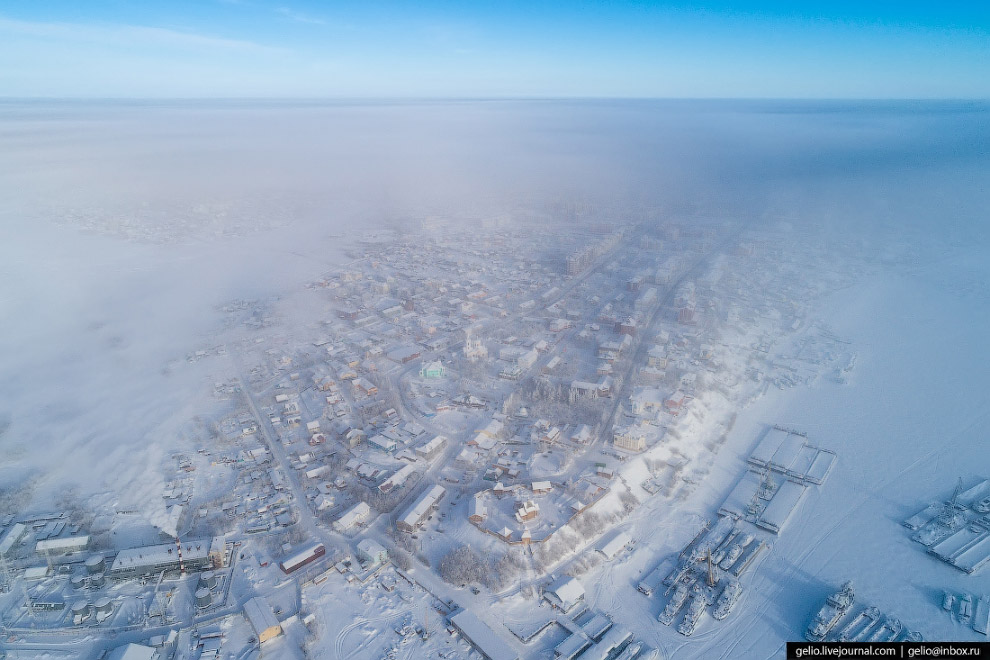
(434, 98)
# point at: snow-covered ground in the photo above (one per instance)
(908, 424)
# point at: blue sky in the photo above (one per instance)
(256, 48)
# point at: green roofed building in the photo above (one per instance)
(432, 370)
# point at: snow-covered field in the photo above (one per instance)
(911, 422)
(908, 424)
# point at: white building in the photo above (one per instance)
(615, 545)
(630, 438)
(133, 652)
(397, 479)
(382, 443)
(317, 472)
(527, 359)
(565, 593)
(485, 640)
(259, 614)
(420, 510)
(493, 429)
(542, 487)
(371, 552)
(358, 513)
(63, 545)
(10, 539)
(432, 448)
(151, 559)
(473, 348)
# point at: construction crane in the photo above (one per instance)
(947, 517)
(956, 493)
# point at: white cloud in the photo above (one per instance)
(299, 17)
(114, 33)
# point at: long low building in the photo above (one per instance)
(431, 449)
(356, 514)
(604, 649)
(11, 537)
(259, 614)
(790, 453)
(572, 646)
(968, 548)
(740, 498)
(151, 559)
(615, 545)
(62, 545)
(303, 557)
(396, 480)
(417, 514)
(485, 640)
(781, 506)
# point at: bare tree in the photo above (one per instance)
(463, 565)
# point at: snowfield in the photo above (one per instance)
(908, 425)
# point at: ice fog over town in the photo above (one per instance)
(492, 379)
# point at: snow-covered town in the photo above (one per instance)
(446, 330)
(471, 441)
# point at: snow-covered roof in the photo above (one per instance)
(493, 428)
(299, 557)
(597, 626)
(486, 443)
(482, 637)
(648, 395)
(157, 555)
(582, 433)
(605, 648)
(468, 455)
(259, 614)
(615, 545)
(357, 512)
(62, 544)
(133, 652)
(784, 501)
(12, 536)
(432, 445)
(36, 572)
(571, 646)
(567, 590)
(415, 513)
(370, 548)
(403, 352)
(397, 479)
(382, 442)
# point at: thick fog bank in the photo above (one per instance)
(126, 224)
